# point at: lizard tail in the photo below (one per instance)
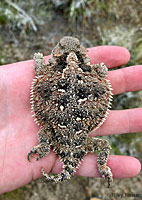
(65, 174)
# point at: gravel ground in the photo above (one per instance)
(85, 188)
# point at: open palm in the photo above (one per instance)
(18, 132)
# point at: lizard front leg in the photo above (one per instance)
(101, 69)
(43, 148)
(40, 65)
(101, 145)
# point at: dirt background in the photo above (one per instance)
(30, 26)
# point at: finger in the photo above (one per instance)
(126, 79)
(121, 166)
(112, 56)
(121, 121)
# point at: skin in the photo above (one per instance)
(18, 132)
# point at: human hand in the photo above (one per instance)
(18, 132)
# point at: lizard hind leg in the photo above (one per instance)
(101, 145)
(43, 148)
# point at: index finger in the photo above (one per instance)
(112, 56)
(118, 164)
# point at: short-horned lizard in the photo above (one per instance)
(70, 98)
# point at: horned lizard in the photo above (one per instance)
(70, 98)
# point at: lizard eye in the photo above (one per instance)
(61, 63)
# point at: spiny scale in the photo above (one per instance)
(70, 98)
